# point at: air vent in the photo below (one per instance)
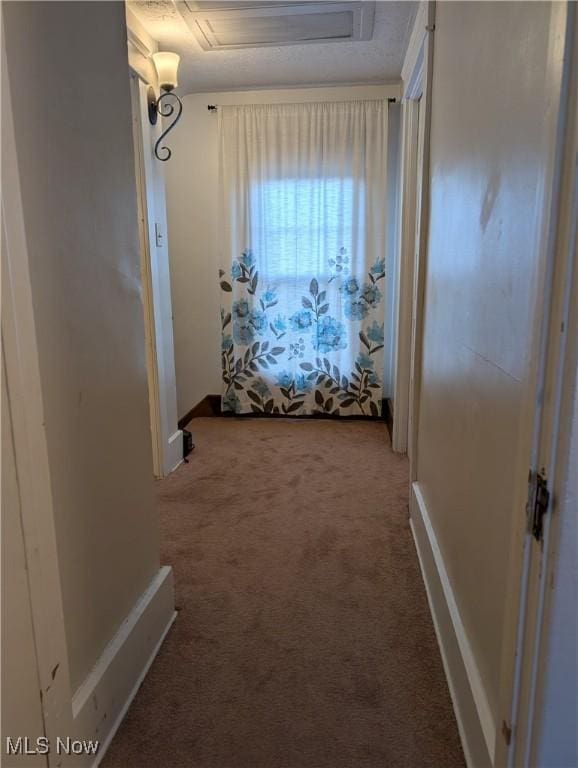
(230, 25)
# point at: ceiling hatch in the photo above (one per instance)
(221, 26)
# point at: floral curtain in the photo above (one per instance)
(303, 202)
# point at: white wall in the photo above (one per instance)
(491, 147)
(192, 188)
(67, 66)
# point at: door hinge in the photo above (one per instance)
(538, 503)
(506, 732)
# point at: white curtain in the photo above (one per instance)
(302, 221)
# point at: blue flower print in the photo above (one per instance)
(356, 310)
(258, 320)
(231, 402)
(331, 336)
(247, 258)
(373, 378)
(364, 361)
(371, 294)
(375, 333)
(342, 257)
(236, 270)
(270, 296)
(297, 349)
(243, 332)
(261, 388)
(378, 268)
(284, 379)
(302, 383)
(301, 321)
(226, 343)
(241, 308)
(280, 324)
(350, 287)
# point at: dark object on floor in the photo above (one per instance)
(187, 443)
(305, 638)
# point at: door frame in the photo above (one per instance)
(20, 351)
(410, 288)
(156, 290)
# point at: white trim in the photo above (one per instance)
(404, 275)
(411, 255)
(412, 68)
(102, 700)
(155, 273)
(19, 345)
(556, 380)
(471, 704)
(175, 450)
(301, 93)
(421, 244)
(130, 698)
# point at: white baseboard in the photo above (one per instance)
(475, 720)
(174, 456)
(100, 703)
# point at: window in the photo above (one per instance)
(300, 226)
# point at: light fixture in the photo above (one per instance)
(166, 65)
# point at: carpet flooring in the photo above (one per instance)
(304, 638)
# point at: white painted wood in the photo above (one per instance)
(471, 706)
(412, 69)
(21, 707)
(557, 355)
(157, 301)
(101, 701)
(235, 27)
(482, 359)
(404, 275)
(417, 77)
(147, 298)
(116, 725)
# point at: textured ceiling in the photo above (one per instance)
(375, 61)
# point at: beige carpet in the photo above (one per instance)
(304, 638)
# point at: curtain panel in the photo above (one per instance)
(302, 227)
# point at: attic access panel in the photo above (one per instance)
(231, 25)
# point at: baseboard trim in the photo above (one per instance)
(388, 413)
(175, 451)
(101, 702)
(210, 405)
(476, 723)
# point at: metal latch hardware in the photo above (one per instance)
(540, 506)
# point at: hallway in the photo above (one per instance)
(304, 638)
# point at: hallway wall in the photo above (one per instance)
(192, 188)
(492, 144)
(67, 65)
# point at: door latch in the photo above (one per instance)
(540, 501)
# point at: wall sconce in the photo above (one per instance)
(166, 65)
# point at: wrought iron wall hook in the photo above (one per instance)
(165, 106)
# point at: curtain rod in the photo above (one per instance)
(215, 107)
